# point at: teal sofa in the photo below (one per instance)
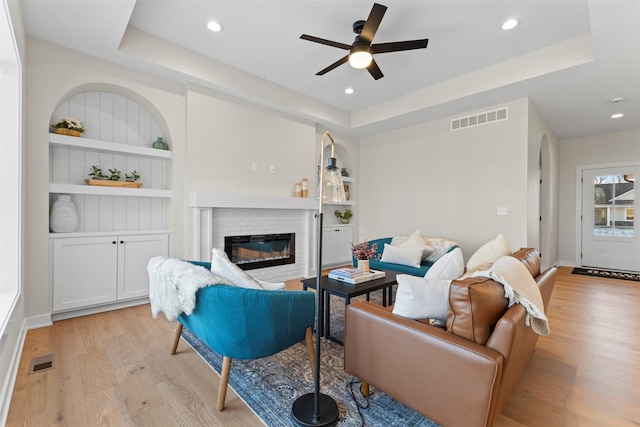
(376, 264)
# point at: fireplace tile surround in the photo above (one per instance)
(218, 215)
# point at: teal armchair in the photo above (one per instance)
(241, 323)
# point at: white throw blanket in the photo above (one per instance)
(173, 284)
(520, 287)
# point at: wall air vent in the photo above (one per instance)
(479, 119)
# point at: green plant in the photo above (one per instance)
(343, 215)
(115, 175)
(133, 176)
(96, 173)
(69, 123)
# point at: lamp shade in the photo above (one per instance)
(333, 186)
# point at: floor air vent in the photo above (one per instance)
(42, 363)
(479, 119)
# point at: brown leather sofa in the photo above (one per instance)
(459, 376)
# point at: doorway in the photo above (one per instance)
(610, 236)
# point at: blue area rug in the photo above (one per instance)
(270, 385)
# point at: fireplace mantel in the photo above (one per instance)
(221, 200)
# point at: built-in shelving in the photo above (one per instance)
(107, 191)
(88, 144)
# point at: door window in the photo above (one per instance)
(613, 205)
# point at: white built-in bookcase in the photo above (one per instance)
(102, 264)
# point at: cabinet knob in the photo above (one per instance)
(114, 242)
(121, 241)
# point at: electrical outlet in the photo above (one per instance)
(502, 210)
(254, 167)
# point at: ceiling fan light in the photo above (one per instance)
(360, 59)
(510, 24)
(214, 26)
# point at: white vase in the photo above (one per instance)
(363, 265)
(63, 217)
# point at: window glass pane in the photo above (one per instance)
(613, 205)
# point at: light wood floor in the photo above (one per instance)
(115, 369)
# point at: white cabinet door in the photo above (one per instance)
(336, 244)
(84, 271)
(344, 238)
(329, 237)
(134, 253)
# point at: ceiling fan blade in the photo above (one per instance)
(398, 46)
(332, 66)
(373, 22)
(325, 42)
(374, 70)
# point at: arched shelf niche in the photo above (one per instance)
(120, 128)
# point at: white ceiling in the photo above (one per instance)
(569, 56)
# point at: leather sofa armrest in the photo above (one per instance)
(430, 370)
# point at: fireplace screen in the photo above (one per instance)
(261, 250)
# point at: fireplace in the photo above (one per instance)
(261, 250)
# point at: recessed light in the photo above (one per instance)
(214, 26)
(348, 91)
(617, 115)
(616, 99)
(510, 24)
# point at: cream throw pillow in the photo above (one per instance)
(414, 240)
(420, 298)
(450, 266)
(223, 267)
(489, 253)
(400, 255)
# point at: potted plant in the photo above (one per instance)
(68, 126)
(132, 177)
(344, 216)
(363, 252)
(96, 173)
(113, 178)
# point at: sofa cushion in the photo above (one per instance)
(415, 240)
(449, 266)
(420, 298)
(475, 305)
(488, 254)
(400, 255)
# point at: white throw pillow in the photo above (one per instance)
(272, 286)
(489, 253)
(222, 266)
(400, 255)
(450, 266)
(419, 298)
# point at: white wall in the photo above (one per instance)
(226, 136)
(448, 184)
(617, 147)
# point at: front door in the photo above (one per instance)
(610, 235)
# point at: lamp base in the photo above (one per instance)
(303, 408)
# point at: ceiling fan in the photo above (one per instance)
(361, 51)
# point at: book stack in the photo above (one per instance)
(355, 276)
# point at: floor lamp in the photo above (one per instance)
(317, 409)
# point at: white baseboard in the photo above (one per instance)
(10, 381)
(41, 321)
